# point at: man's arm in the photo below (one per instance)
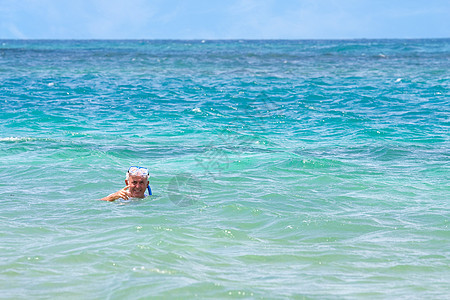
(123, 193)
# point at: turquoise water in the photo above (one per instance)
(280, 169)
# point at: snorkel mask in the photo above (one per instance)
(142, 172)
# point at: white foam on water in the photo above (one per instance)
(17, 139)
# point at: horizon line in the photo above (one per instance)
(217, 39)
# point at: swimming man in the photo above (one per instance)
(136, 183)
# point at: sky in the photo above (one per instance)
(224, 19)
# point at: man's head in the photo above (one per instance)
(137, 180)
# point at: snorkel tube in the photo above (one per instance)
(149, 190)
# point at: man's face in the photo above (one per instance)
(138, 185)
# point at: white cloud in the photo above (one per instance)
(15, 32)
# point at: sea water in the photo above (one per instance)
(279, 169)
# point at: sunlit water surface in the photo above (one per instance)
(279, 169)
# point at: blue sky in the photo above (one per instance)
(223, 19)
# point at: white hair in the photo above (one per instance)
(128, 176)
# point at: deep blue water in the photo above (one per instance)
(280, 169)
